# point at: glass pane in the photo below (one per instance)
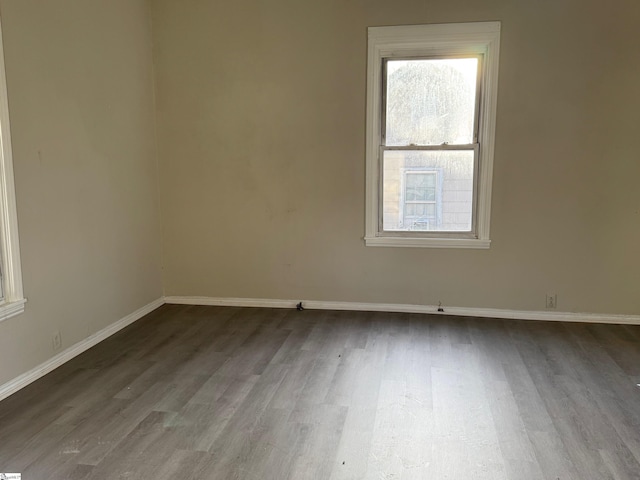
(429, 181)
(430, 102)
(420, 179)
(420, 186)
(430, 209)
(447, 206)
(430, 194)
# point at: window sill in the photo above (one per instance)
(11, 309)
(427, 242)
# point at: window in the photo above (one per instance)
(421, 200)
(11, 297)
(431, 104)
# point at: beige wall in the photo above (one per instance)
(261, 113)
(79, 77)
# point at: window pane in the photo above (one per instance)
(447, 206)
(430, 210)
(430, 194)
(421, 194)
(426, 210)
(429, 181)
(420, 186)
(430, 102)
(421, 179)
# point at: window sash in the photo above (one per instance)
(471, 234)
(478, 94)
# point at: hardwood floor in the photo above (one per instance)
(238, 393)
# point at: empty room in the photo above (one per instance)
(339, 239)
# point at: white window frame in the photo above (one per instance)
(478, 38)
(12, 302)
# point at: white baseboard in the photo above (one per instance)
(232, 302)
(41, 370)
(402, 308)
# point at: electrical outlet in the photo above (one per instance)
(56, 340)
(552, 300)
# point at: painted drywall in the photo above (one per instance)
(79, 79)
(261, 127)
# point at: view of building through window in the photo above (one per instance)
(450, 200)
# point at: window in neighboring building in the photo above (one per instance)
(420, 202)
